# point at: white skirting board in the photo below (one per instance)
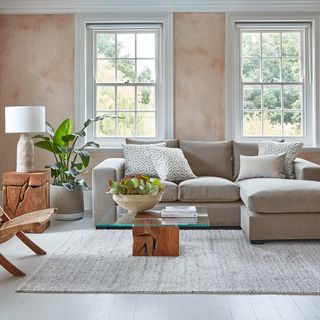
(87, 197)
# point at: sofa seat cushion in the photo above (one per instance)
(272, 195)
(208, 189)
(170, 192)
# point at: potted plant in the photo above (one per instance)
(136, 193)
(66, 190)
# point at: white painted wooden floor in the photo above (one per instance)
(14, 306)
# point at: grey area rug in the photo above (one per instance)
(211, 261)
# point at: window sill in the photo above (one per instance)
(104, 149)
(119, 149)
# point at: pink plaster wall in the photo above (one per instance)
(36, 68)
(199, 76)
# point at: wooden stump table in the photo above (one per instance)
(155, 241)
(25, 192)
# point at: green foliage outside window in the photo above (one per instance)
(272, 83)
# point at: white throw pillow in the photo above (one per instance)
(171, 164)
(268, 166)
(290, 149)
(137, 159)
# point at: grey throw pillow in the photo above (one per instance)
(269, 166)
(137, 159)
(290, 149)
(171, 164)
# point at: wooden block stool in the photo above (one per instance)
(26, 192)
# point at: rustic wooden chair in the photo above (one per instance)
(16, 227)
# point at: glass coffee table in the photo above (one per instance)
(154, 235)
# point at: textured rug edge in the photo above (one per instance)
(316, 293)
(20, 288)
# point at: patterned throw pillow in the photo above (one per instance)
(137, 159)
(290, 149)
(171, 164)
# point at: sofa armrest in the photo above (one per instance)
(103, 207)
(306, 170)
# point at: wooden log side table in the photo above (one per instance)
(26, 192)
(155, 241)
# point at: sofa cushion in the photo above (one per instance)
(208, 158)
(172, 143)
(245, 149)
(280, 195)
(208, 189)
(170, 192)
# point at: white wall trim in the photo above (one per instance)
(166, 85)
(71, 6)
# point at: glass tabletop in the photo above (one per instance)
(153, 218)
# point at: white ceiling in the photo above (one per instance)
(73, 6)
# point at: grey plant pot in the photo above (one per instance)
(70, 204)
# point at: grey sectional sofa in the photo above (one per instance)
(265, 208)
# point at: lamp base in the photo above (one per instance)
(25, 154)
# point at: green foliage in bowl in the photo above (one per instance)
(137, 185)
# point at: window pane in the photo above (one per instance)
(292, 97)
(250, 44)
(146, 45)
(251, 97)
(272, 124)
(292, 125)
(270, 44)
(106, 45)
(126, 124)
(126, 70)
(145, 98)
(146, 70)
(105, 98)
(291, 44)
(126, 45)
(125, 98)
(106, 71)
(252, 124)
(146, 124)
(291, 70)
(272, 97)
(270, 70)
(251, 70)
(106, 127)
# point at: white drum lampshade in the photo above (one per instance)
(25, 120)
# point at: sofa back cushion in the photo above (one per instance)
(209, 158)
(172, 143)
(245, 149)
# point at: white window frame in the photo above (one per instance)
(233, 71)
(84, 89)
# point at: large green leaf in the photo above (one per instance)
(91, 144)
(69, 137)
(89, 121)
(85, 157)
(64, 129)
(40, 136)
(46, 145)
